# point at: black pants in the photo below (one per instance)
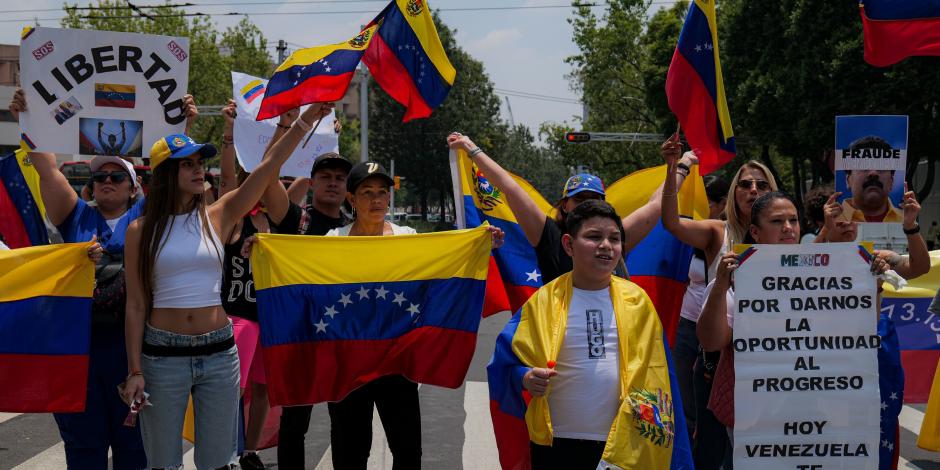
(711, 449)
(290, 441)
(396, 399)
(567, 454)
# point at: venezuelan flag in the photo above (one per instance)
(347, 310)
(896, 30)
(660, 263)
(407, 59)
(696, 91)
(514, 270)
(530, 340)
(21, 219)
(314, 75)
(252, 90)
(45, 328)
(110, 95)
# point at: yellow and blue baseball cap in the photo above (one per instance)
(178, 146)
(583, 182)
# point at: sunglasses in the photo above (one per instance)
(116, 176)
(748, 184)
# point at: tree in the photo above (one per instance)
(212, 53)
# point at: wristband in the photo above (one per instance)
(683, 166)
(282, 126)
(303, 125)
(474, 152)
(912, 231)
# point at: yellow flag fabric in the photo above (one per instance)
(634, 190)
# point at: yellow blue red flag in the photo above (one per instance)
(45, 327)
(406, 58)
(21, 211)
(339, 312)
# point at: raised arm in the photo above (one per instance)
(712, 328)
(57, 194)
(528, 214)
(135, 312)
(638, 224)
(192, 112)
(706, 235)
(298, 190)
(228, 180)
(275, 198)
(918, 262)
(231, 207)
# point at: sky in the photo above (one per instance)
(522, 50)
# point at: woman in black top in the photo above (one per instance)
(544, 232)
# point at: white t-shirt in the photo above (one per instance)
(729, 301)
(344, 230)
(585, 395)
(694, 295)
(113, 222)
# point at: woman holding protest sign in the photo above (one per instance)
(179, 339)
(544, 232)
(89, 435)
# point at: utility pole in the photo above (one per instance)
(364, 115)
(512, 120)
(281, 51)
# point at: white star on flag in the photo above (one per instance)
(533, 276)
(331, 311)
(326, 62)
(345, 300)
(890, 446)
(321, 326)
(327, 69)
(363, 292)
(698, 48)
(884, 406)
(413, 309)
(894, 396)
(380, 292)
(400, 299)
(884, 443)
(709, 46)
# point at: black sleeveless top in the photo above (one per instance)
(238, 288)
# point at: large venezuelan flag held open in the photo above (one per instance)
(21, 219)
(514, 270)
(313, 75)
(406, 58)
(696, 91)
(898, 29)
(339, 312)
(45, 328)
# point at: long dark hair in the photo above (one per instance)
(161, 203)
(760, 206)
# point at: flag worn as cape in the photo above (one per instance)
(660, 263)
(514, 269)
(895, 30)
(339, 312)
(406, 58)
(637, 438)
(313, 75)
(696, 91)
(21, 219)
(45, 328)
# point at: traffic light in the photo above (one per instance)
(578, 137)
(398, 182)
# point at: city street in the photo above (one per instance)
(457, 432)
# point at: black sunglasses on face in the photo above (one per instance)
(116, 176)
(748, 184)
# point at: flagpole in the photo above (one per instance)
(315, 125)
(364, 115)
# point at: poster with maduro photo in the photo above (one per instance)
(101, 92)
(870, 164)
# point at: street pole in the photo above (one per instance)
(281, 51)
(364, 116)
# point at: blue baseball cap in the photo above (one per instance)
(583, 182)
(178, 146)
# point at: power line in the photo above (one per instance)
(525, 94)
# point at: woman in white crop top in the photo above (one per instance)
(179, 339)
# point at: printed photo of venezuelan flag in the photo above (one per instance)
(110, 95)
(252, 90)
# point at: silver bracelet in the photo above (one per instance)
(474, 152)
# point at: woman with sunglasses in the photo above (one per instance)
(544, 232)
(179, 339)
(90, 434)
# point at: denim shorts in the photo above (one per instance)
(213, 381)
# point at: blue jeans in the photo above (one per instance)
(684, 352)
(212, 380)
(89, 434)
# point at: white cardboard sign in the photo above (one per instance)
(102, 92)
(252, 137)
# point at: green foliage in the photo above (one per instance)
(213, 54)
